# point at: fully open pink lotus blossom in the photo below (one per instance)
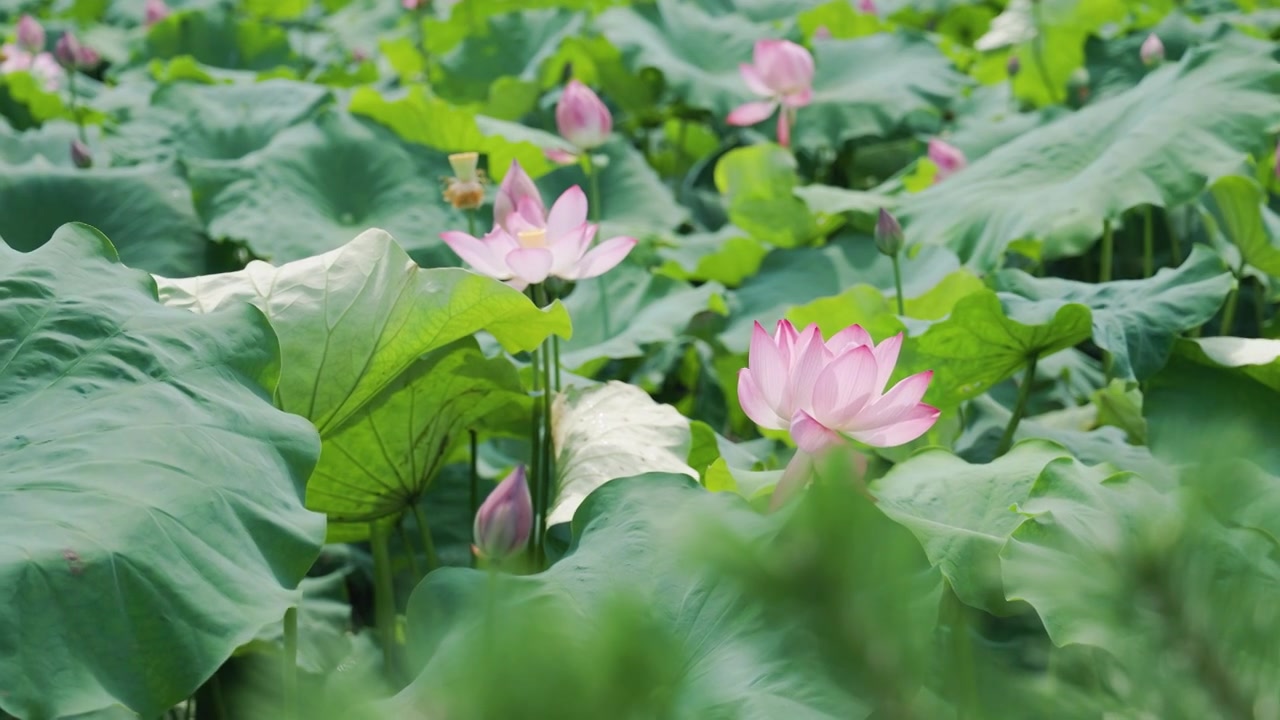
(41, 65)
(528, 244)
(947, 157)
(823, 392)
(781, 71)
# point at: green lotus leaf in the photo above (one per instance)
(152, 489)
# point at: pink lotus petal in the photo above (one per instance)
(770, 368)
(798, 99)
(567, 215)
(752, 113)
(794, 478)
(476, 253)
(914, 423)
(812, 436)
(515, 185)
(568, 249)
(532, 210)
(785, 336)
(900, 399)
(851, 336)
(604, 257)
(784, 66)
(530, 264)
(784, 128)
(845, 387)
(807, 362)
(560, 156)
(886, 358)
(754, 403)
(755, 83)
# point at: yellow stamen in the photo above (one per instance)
(532, 238)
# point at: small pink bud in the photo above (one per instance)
(155, 12)
(822, 33)
(867, 6)
(74, 56)
(1152, 51)
(888, 233)
(81, 155)
(412, 4)
(505, 519)
(359, 55)
(582, 117)
(30, 34)
(947, 157)
(1014, 66)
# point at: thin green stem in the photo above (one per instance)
(290, 664)
(1175, 243)
(1229, 310)
(1037, 50)
(471, 222)
(384, 594)
(475, 483)
(1148, 244)
(897, 283)
(75, 106)
(409, 550)
(555, 357)
(535, 452)
(1108, 252)
(428, 544)
(595, 212)
(1020, 409)
(547, 479)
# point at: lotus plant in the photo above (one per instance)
(1152, 51)
(827, 392)
(505, 519)
(781, 71)
(583, 119)
(528, 244)
(949, 159)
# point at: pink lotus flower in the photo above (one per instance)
(824, 392)
(528, 244)
(948, 158)
(412, 4)
(582, 118)
(29, 34)
(41, 65)
(74, 56)
(1152, 50)
(867, 6)
(155, 11)
(783, 72)
(505, 519)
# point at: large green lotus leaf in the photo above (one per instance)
(980, 343)
(868, 87)
(611, 431)
(962, 513)
(634, 200)
(989, 117)
(382, 458)
(147, 209)
(640, 309)
(1236, 203)
(512, 45)
(353, 320)
(150, 489)
(758, 184)
(698, 55)
(317, 184)
(421, 118)
(694, 641)
(1155, 144)
(1137, 321)
(790, 277)
(219, 122)
(758, 10)
(218, 38)
(1216, 400)
(728, 256)
(51, 141)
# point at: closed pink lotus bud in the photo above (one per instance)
(155, 11)
(822, 33)
(888, 233)
(81, 155)
(948, 158)
(74, 56)
(781, 71)
(30, 34)
(867, 6)
(582, 117)
(412, 4)
(504, 521)
(1152, 50)
(1013, 66)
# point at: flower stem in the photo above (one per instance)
(475, 484)
(594, 213)
(290, 664)
(428, 544)
(75, 106)
(546, 480)
(1148, 244)
(409, 550)
(384, 597)
(1175, 243)
(897, 283)
(1229, 309)
(1020, 409)
(471, 222)
(555, 357)
(1108, 252)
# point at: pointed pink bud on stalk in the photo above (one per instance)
(81, 156)
(1152, 51)
(505, 519)
(826, 391)
(888, 233)
(528, 244)
(947, 157)
(782, 72)
(74, 56)
(155, 11)
(582, 117)
(867, 6)
(30, 34)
